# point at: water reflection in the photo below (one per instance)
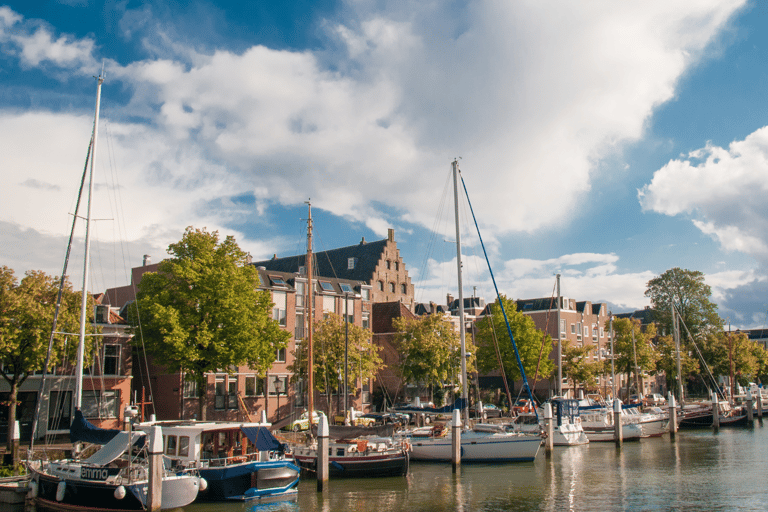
(697, 471)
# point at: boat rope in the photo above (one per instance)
(526, 386)
(498, 358)
(701, 357)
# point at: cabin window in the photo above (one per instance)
(170, 445)
(183, 446)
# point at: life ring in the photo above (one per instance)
(60, 489)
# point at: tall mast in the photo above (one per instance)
(310, 303)
(559, 345)
(676, 334)
(462, 326)
(613, 364)
(87, 259)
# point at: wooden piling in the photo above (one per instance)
(323, 435)
(750, 411)
(760, 404)
(549, 442)
(672, 416)
(715, 411)
(456, 441)
(155, 491)
(617, 427)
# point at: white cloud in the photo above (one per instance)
(722, 191)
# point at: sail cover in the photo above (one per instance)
(83, 430)
(114, 449)
(263, 439)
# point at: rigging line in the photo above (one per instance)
(498, 357)
(431, 242)
(119, 210)
(59, 295)
(543, 339)
(501, 303)
(701, 357)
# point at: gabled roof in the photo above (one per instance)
(334, 263)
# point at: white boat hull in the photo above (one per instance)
(478, 447)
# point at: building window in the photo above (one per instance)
(586, 331)
(329, 304)
(366, 293)
(275, 381)
(278, 281)
(298, 332)
(300, 291)
(389, 264)
(220, 398)
(403, 289)
(397, 265)
(602, 332)
(111, 360)
(190, 388)
(366, 321)
(562, 326)
(351, 262)
(573, 328)
(101, 314)
(392, 287)
(280, 356)
(326, 286)
(278, 310)
(101, 404)
(250, 385)
(232, 395)
(345, 288)
(381, 285)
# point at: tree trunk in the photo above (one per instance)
(202, 403)
(12, 398)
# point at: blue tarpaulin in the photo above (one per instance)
(263, 439)
(83, 430)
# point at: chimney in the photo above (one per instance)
(362, 242)
(274, 256)
(147, 260)
(391, 235)
(449, 299)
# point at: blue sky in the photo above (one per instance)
(605, 141)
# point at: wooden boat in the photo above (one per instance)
(239, 461)
(359, 452)
(699, 415)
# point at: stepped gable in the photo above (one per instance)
(335, 263)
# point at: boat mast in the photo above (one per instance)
(310, 300)
(559, 345)
(462, 326)
(676, 334)
(87, 259)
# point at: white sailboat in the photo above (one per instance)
(117, 476)
(482, 443)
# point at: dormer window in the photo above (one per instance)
(345, 288)
(278, 281)
(351, 263)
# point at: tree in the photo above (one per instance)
(666, 361)
(430, 350)
(26, 318)
(686, 290)
(201, 311)
(330, 340)
(732, 354)
(626, 349)
(493, 329)
(579, 367)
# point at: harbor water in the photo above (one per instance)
(699, 470)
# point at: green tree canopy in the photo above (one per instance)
(430, 350)
(626, 350)
(26, 319)
(329, 340)
(666, 361)
(579, 367)
(201, 311)
(687, 290)
(733, 353)
(529, 340)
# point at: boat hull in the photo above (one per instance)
(353, 466)
(630, 432)
(478, 447)
(260, 481)
(81, 494)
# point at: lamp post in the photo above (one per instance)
(278, 384)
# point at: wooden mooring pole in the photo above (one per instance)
(456, 441)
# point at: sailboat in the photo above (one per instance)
(483, 443)
(354, 451)
(118, 475)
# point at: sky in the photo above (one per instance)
(604, 141)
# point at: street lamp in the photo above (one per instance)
(278, 384)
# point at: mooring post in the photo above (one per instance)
(715, 411)
(549, 441)
(456, 441)
(323, 434)
(155, 491)
(750, 411)
(672, 416)
(760, 404)
(617, 434)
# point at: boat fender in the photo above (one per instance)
(119, 492)
(32, 493)
(60, 490)
(203, 484)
